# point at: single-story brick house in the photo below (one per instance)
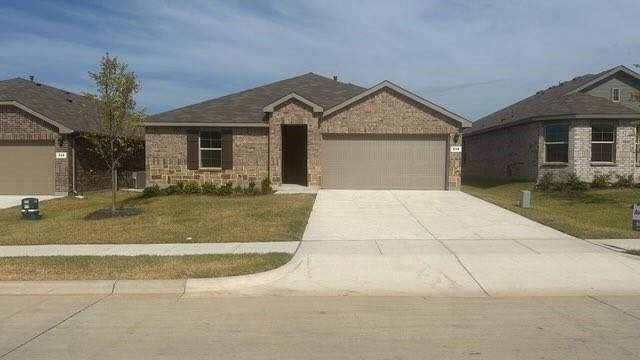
(312, 131)
(587, 126)
(42, 148)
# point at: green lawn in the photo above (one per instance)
(595, 214)
(136, 267)
(165, 219)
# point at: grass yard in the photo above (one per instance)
(594, 214)
(136, 267)
(165, 219)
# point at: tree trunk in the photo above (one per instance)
(114, 185)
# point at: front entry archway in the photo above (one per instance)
(294, 154)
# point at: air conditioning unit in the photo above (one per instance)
(139, 179)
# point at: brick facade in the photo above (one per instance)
(518, 152)
(257, 152)
(166, 157)
(386, 112)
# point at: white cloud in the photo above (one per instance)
(471, 56)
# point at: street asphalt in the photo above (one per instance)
(174, 327)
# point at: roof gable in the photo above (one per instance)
(389, 85)
(605, 75)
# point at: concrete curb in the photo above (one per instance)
(92, 287)
(230, 283)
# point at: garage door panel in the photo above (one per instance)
(27, 167)
(368, 161)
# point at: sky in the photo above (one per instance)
(473, 57)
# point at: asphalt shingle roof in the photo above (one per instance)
(556, 100)
(71, 110)
(248, 106)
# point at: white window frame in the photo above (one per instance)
(613, 91)
(555, 143)
(208, 149)
(612, 142)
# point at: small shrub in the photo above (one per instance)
(175, 189)
(546, 183)
(226, 189)
(265, 186)
(573, 183)
(251, 189)
(151, 191)
(238, 189)
(601, 181)
(625, 181)
(192, 188)
(209, 188)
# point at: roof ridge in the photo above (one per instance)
(255, 88)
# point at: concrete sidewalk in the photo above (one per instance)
(150, 249)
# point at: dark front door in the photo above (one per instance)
(294, 154)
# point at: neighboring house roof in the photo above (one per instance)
(63, 109)
(564, 99)
(248, 106)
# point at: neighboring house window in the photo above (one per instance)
(556, 143)
(615, 94)
(210, 149)
(603, 143)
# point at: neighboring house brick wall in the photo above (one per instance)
(580, 151)
(166, 157)
(509, 153)
(490, 154)
(295, 113)
(386, 112)
(17, 124)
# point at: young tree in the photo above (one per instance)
(117, 135)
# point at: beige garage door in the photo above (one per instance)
(383, 162)
(27, 167)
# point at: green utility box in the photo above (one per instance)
(30, 209)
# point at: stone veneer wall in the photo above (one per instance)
(508, 153)
(387, 112)
(294, 113)
(166, 157)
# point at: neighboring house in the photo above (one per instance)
(586, 126)
(312, 131)
(42, 149)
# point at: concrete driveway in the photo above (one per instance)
(443, 243)
(7, 201)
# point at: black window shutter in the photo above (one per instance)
(227, 149)
(193, 157)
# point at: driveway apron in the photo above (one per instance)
(442, 243)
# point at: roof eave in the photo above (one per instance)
(201, 124)
(61, 128)
(388, 84)
(553, 118)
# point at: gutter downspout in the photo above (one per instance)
(73, 166)
(269, 146)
